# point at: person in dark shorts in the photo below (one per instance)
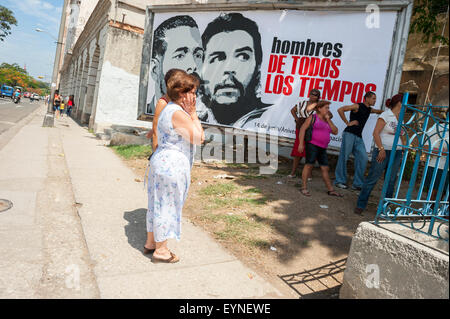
(316, 148)
(301, 112)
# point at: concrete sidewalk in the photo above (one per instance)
(103, 231)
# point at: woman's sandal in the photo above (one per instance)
(305, 192)
(334, 193)
(147, 251)
(173, 259)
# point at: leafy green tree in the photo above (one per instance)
(13, 66)
(7, 19)
(14, 75)
(425, 19)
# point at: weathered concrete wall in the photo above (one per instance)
(85, 10)
(131, 12)
(420, 59)
(119, 80)
(392, 261)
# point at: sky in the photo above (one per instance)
(27, 47)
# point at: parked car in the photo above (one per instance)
(34, 97)
(6, 91)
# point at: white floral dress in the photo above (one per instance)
(169, 178)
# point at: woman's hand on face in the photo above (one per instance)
(188, 103)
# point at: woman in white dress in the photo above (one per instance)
(170, 166)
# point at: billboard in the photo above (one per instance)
(256, 65)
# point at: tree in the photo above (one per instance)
(14, 75)
(6, 20)
(13, 66)
(425, 19)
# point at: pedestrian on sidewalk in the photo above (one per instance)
(62, 106)
(352, 141)
(56, 103)
(170, 166)
(70, 105)
(383, 136)
(316, 147)
(300, 114)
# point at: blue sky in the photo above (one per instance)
(26, 46)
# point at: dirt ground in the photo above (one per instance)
(299, 244)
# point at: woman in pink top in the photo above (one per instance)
(316, 148)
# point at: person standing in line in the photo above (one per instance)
(170, 166)
(300, 114)
(352, 141)
(316, 148)
(383, 135)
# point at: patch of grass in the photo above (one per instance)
(237, 228)
(258, 243)
(248, 176)
(133, 151)
(219, 189)
(253, 190)
(241, 165)
(236, 202)
(228, 234)
(236, 165)
(283, 171)
(306, 243)
(254, 201)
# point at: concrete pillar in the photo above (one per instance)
(91, 81)
(83, 88)
(77, 87)
(100, 50)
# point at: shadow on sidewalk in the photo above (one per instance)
(136, 231)
(319, 283)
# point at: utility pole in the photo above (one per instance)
(49, 119)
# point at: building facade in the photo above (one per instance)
(101, 62)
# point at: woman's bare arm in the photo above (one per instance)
(301, 134)
(160, 105)
(294, 113)
(188, 127)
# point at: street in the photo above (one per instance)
(11, 113)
